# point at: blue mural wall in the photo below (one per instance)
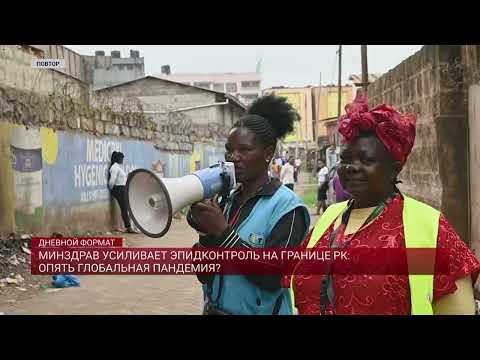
(79, 174)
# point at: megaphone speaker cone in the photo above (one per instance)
(149, 203)
(152, 201)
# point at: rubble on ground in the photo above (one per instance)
(14, 260)
(15, 264)
(14, 252)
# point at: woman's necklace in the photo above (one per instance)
(234, 219)
(269, 180)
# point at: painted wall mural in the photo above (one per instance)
(26, 152)
(43, 168)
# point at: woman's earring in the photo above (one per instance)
(267, 161)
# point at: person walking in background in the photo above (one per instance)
(331, 191)
(340, 193)
(279, 164)
(285, 157)
(275, 168)
(286, 175)
(323, 180)
(336, 193)
(116, 184)
(298, 163)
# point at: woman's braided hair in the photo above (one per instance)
(270, 118)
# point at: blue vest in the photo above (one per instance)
(240, 296)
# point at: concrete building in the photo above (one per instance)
(318, 109)
(316, 106)
(104, 71)
(245, 86)
(74, 62)
(301, 100)
(326, 111)
(160, 97)
(301, 142)
(97, 71)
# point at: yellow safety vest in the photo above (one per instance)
(420, 226)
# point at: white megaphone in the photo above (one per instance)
(152, 201)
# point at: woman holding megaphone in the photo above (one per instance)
(243, 220)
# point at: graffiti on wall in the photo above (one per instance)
(90, 174)
(43, 168)
(80, 172)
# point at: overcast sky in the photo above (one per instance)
(282, 65)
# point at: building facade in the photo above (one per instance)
(245, 86)
(160, 98)
(96, 71)
(318, 110)
(326, 111)
(104, 71)
(301, 99)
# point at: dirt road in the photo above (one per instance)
(119, 294)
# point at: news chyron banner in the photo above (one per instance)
(103, 256)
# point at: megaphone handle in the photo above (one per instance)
(225, 187)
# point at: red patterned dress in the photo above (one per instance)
(384, 294)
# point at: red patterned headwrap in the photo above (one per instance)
(395, 130)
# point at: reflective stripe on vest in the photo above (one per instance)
(420, 227)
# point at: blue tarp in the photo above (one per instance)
(64, 281)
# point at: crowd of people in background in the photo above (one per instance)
(286, 168)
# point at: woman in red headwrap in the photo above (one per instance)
(377, 143)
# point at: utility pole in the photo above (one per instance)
(339, 80)
(317, 111)
(339, 86)
(365, 81)
(316, 124)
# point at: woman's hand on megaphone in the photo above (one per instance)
(208, 216)
(192, 223)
